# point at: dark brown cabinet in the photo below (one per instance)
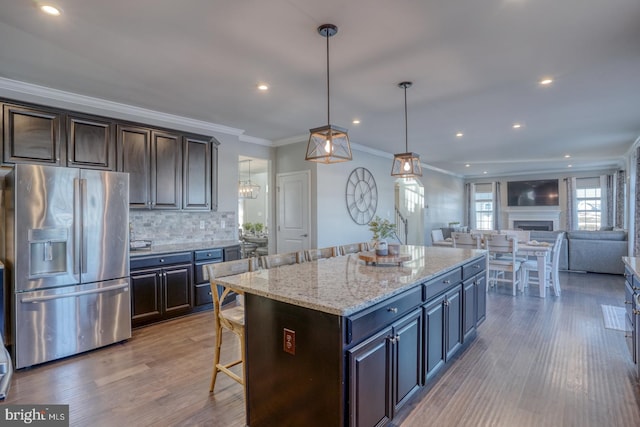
(161, 288)
(442, 330)
(469, 304)
(32, 135)
(385, 371)
(153, 160)
(91, 142)
(196, 183)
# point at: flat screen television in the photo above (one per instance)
(542, 192)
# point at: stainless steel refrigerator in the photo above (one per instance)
(67, 260)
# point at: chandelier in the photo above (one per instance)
(246, 188)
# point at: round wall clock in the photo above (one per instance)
(361, 195)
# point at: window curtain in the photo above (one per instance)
(620, 193)
(606, 220)
(470, 197)
(497, 204)
(572, 214)
(636, 215)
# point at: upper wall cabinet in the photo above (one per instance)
(197, 183)
(153, 160)
(91, 142)
(32, 135)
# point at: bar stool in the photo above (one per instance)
(230, 316)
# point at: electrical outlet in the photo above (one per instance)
(289, 341)
(201, 225)
(222, 224)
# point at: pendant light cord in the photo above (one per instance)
(406, 126)
(328, 93)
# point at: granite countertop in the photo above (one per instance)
(345, 285)
(182, 247)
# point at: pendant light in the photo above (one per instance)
(247, 189)
(406, 165)
(328, 144)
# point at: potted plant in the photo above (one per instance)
(382, 229)
(258, 227)
(248, 227)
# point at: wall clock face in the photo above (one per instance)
(361, 195)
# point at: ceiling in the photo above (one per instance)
(475, 68)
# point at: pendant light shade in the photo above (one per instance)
(328, 144)
(406, 165)
(246, 188)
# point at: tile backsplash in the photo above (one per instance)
(168, 227)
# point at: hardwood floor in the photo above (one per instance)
(534, 362)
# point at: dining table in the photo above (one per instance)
(542, 252)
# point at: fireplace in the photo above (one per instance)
(533, 225)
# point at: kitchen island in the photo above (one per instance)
(336, 342)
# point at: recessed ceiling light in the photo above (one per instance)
(467, 165)
(517, 126)
(566, 156)
(546, 81)
(263, 87)
(356, 121)
(459, 134)
(50, 10)
(484, 172)
(569, 166)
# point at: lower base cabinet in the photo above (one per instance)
(160, 293)
(443, 330)
(386, 370)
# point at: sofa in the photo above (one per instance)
(591, 251)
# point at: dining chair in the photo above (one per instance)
(353, 248)
(436, 235)
(276, 260)
(503, 265)
(314, 254)
(229, 316)
(553, 264)
(465, 240)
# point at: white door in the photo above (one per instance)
(293, 215)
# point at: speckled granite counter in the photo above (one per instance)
(345, 285)
(182, 247)
(334, 337)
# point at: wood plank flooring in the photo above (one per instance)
(534, 362)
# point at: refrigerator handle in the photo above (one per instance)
(73, 294)
(83, 198)
(76, 226)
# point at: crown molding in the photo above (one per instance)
(29, 92)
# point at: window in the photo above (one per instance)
(484, 207)
(588, 203)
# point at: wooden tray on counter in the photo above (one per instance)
(372, 258)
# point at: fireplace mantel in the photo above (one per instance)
(534, 215)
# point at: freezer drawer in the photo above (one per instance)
(54, 323)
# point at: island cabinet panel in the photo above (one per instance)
(370, 388)
(91, 142)
(303, 386)
(469, 306)
(480, 283)
(443, 330)
(385, 371)
(32, 135)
